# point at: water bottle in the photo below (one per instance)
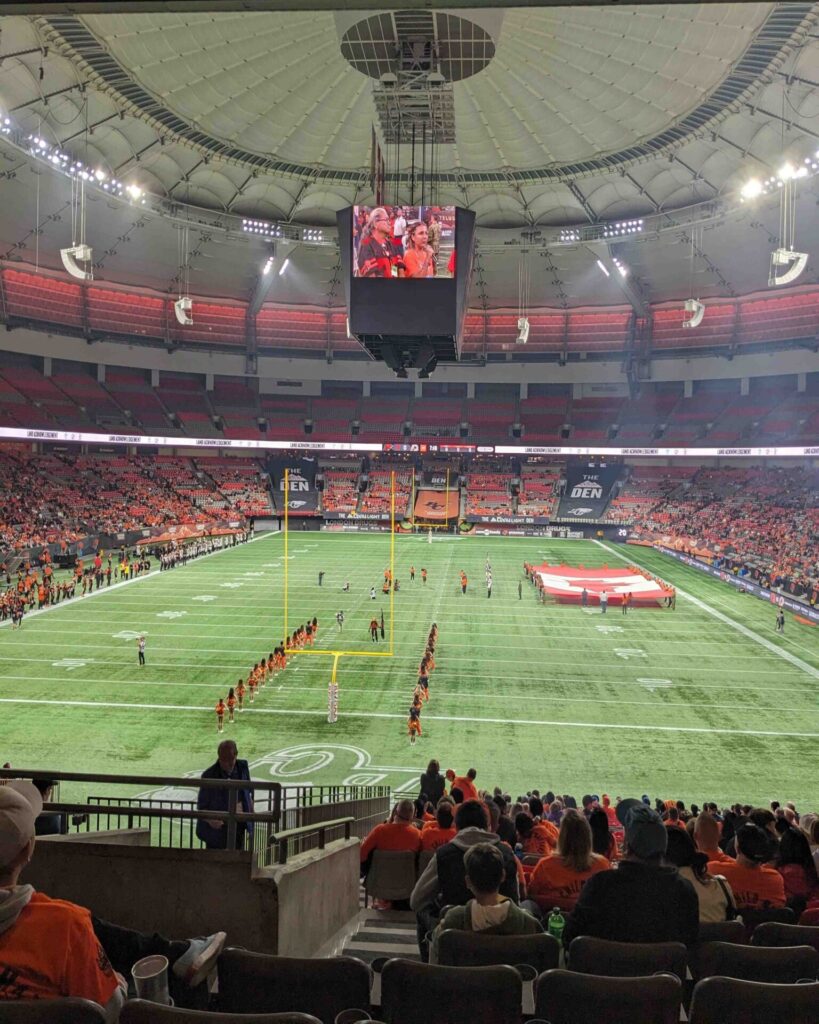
(556, 924)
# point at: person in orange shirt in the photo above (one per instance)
(673, 819)
(535, 837)
(557, 880)
(252, 683)
(706, 836)
(220, 714)
(240, 694)
(231, 704)
(463, 582)
(51, 949)
(466, 784)
(754, 884)
(397, 834)
(441, 830)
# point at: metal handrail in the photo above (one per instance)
(231, 817)
(281, 840)
(185, 782)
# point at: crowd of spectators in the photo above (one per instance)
(763, 521)
(628, 870)
(60, 498)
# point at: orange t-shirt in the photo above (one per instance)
(466, 786)
(542, 839)
(718, 856)
(757, 888)
(52, 952)
(433, 836)
(552, 884)
(391, 835)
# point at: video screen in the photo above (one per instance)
(404, 242)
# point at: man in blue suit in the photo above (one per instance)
(213, 833)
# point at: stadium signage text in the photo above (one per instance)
(306, 444)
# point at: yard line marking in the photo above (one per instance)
(722, 617)
(537, 681)
(427, 718)
(159, 635)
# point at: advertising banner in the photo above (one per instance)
(437, 505)
(437, 478)
(588, 489)
(376, 517)
(302, 497)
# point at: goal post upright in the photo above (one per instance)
(286, 538)
(392, 559)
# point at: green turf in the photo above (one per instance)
(531, 695)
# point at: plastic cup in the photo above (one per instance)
(150, 976)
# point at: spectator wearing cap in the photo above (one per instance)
(754, 884)
(643, 900)
(51, 949)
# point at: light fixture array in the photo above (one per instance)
(594, 232)
(77, 169)
(756, 187)
(620, 266)
(268, 266)
(312, 235)
(621, 228)
(263, 228)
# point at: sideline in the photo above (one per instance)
(76, 602)
(738, 626)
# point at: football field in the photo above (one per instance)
(704, 702)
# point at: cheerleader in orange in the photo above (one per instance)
(414, 720)
(240, 694)
(308, 634)
(220, 714)
(272, 666)
(231, 704)
(252, 683)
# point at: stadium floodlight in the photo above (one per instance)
(183, 308)
(523, 330)
(268, 266)
(603, 267)
(696, 311)
(73, 256)
(284, 266)
(795, 261)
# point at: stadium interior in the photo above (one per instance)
(465, 357)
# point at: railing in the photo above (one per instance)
(290, 841)
(310, 816)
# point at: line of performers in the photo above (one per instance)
(421, 694)
(262, 671)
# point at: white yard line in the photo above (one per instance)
(722, 617)
(539, 723)
(537, 681)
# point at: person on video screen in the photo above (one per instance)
(419, 259)
(378, 255)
